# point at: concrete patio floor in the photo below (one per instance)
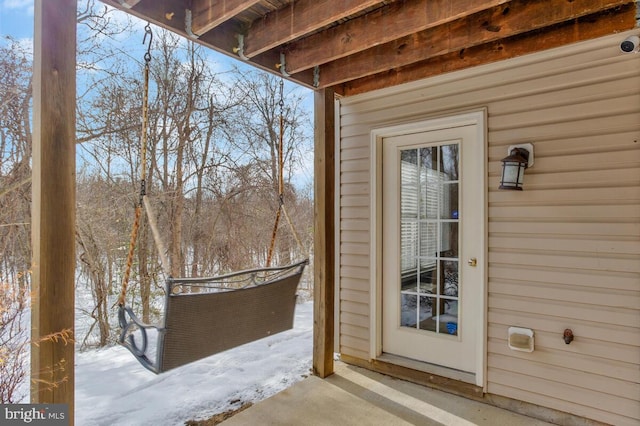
(356, 396)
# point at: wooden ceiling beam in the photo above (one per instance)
(386, 24)
(172, 15)
(208, 14)
(505, 20)
(169, 14)
(508, 20)
(573, 31)
(297, 19)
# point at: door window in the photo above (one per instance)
(429, 221)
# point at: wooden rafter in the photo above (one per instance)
(349, 40)
(169, 14)
(386, 24)
(298, 19)
(504, 21)
(573, 31)
(208, 14)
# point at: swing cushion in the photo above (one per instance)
(200, 325)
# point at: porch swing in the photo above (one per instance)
(205, 316)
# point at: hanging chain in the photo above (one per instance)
(280, 176)
(145, 114)
(280, 145)
(143, 169)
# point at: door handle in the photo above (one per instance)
(472, 262)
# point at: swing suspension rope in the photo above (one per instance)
(143, 169)
(281, 205)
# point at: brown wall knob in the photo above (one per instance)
(568, 336)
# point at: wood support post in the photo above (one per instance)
(53, 208)
(324, 235)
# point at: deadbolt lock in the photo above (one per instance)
(472, 262)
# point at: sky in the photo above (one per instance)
(16, 19)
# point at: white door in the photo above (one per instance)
(433, 226)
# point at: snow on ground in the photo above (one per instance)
(112, 389)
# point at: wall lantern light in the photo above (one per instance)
(520, 158)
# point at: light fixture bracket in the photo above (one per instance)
(526, 146)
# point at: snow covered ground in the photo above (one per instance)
(112, 389)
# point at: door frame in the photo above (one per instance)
(477, 118)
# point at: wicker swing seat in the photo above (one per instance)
(204, 316)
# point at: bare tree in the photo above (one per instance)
(99, 234)
(267, 101)
(15, 217)
(187, 140)
(14, 340)
(15, 157)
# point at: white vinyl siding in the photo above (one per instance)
(563, 253)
